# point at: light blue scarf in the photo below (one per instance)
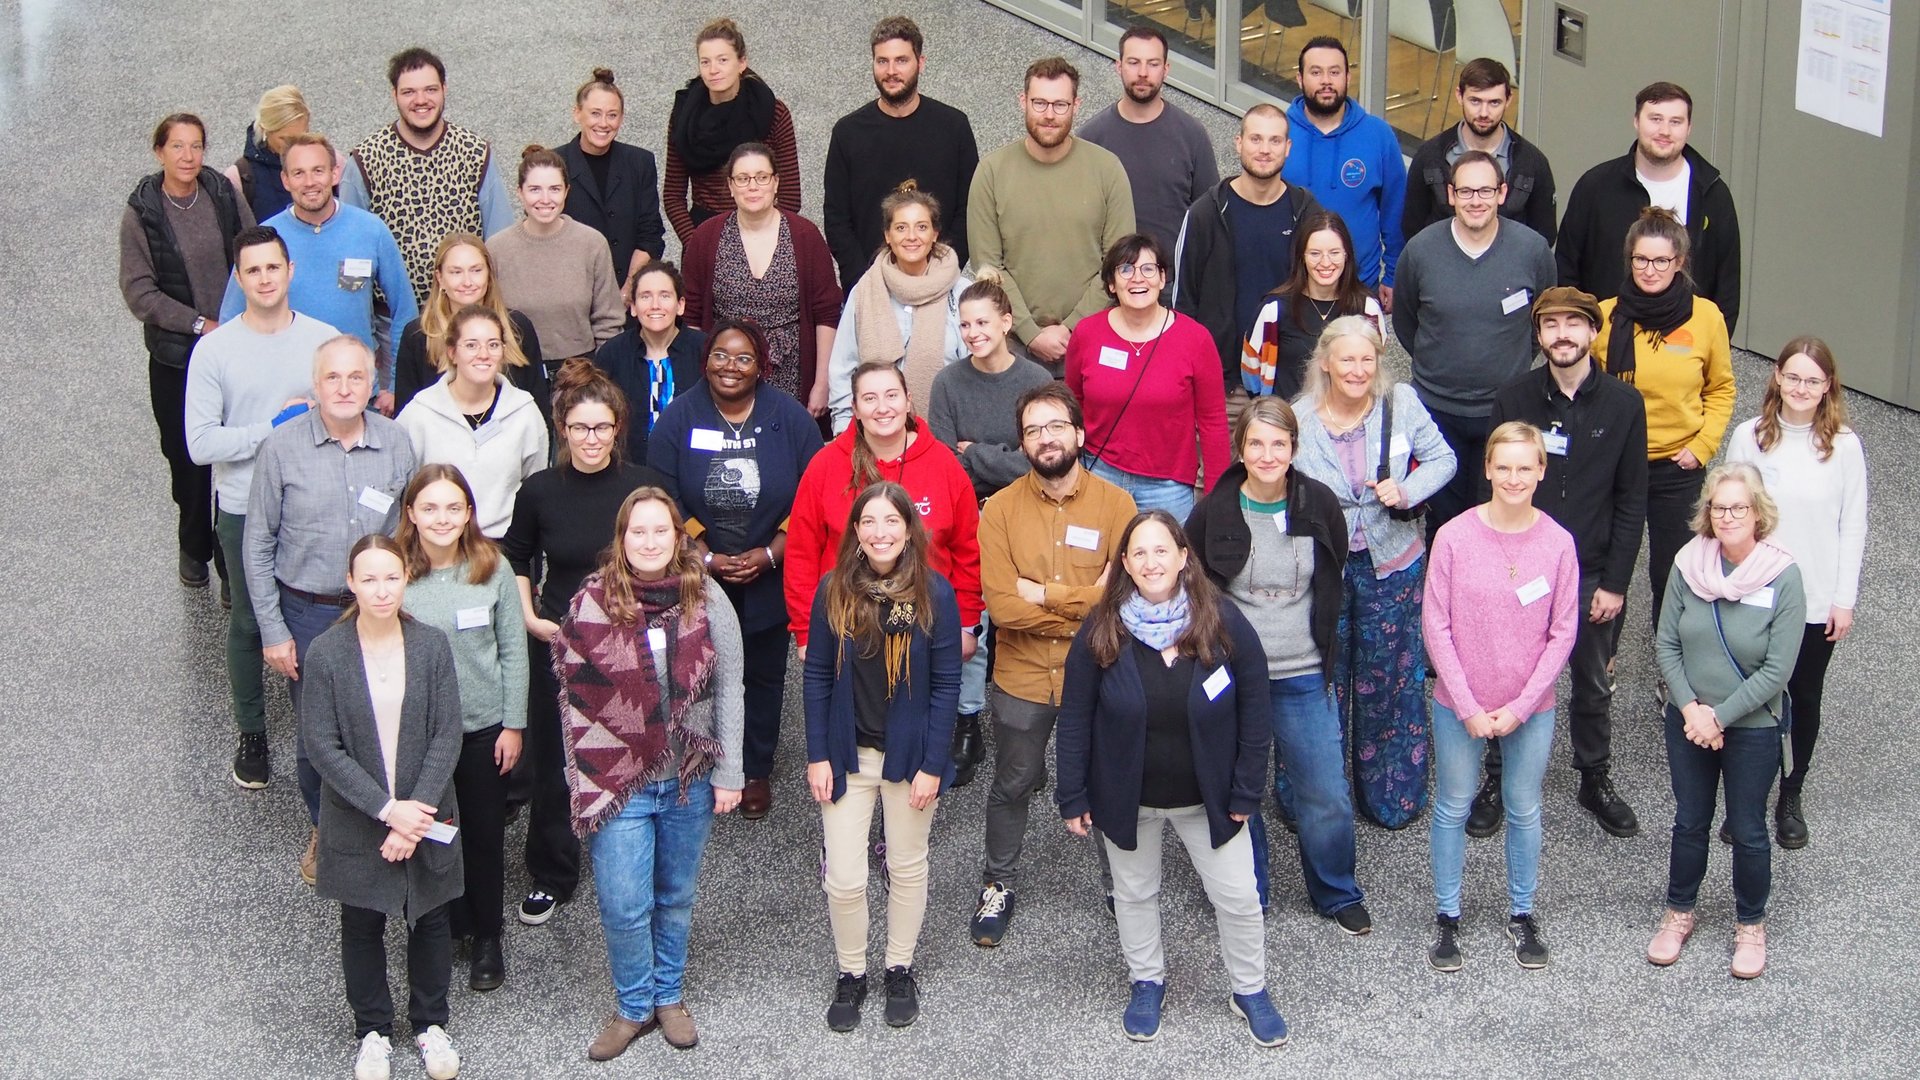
(1157, 626)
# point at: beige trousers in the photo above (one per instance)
(846, 824)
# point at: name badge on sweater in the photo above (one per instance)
(472, 618)
(1113, 358)
(1515, 301)
(703, 439)
(1533, 590)
(657, 638)
(1216, 683)
(442, 832)
(1082, 537)
(1280, 522)
(1398, 446)
(375, 500)
(1556, 443)
(1761, 597)
(356, 267)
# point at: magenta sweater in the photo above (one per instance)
(1488, 648)
(1182, 392)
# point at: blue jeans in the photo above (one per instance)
(973, 676)
(1306, 740)
(305, 620)
(1456, 757)
(646, 863)
(1746, 763)
(1149, 493)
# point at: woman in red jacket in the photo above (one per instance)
(884, 442)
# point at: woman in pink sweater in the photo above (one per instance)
(1503, 596)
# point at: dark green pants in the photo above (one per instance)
(245, 679)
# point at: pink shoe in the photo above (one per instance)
(1675, 928)
(1749, 950)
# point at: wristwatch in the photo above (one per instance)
(199, 325)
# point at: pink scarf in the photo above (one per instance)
(878, 329)
(1699, 562)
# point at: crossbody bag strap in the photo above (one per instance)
(1784, 721)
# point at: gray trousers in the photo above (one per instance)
(1021, 730)
(1227, 874)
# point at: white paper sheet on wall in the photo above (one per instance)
(1843, 62)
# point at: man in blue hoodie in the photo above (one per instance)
(1351, 162)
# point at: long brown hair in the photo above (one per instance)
(617, 576)
(1205, 636)
(1349, 296)
(1829, 417)
(481, 555)
(371, 542)
(854, 584)
(580, 382)
(866, 468)
(436, 317)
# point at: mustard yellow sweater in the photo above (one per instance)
(1687, 382)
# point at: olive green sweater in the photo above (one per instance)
(1765, 639)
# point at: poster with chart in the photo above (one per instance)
(1843, 62)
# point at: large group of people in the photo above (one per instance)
(1073, 442)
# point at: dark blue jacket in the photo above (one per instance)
(919, 722)
(788, 440)
(628, 212)
(1101, 746)
(624, 358)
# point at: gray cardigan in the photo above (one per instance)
(1414, 436)
(336, 720)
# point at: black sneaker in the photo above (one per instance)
(1605, 804)
(990, 919)
(250, 768)
(903, 997)
(486, 965)
(1789, 824)
(1354, 919)
(1489, 810)
(1726, 833)
(1529, 948)
(849, 993)
(537, 908)
(1444, 953)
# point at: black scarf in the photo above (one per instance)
(1659, 314)
(705, 134)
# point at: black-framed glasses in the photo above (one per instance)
(581, 431)
(1732, 511)
(1477, 192)
(1042, 106)
(1662, 263)
(1143, 270)
(752, 180)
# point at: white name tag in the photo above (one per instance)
(1082, 537)
(1216, 683)
(472, 618)
(356, 267)
(1113, 358)
(441, 832)
(1762, 597)
(657, 638)
(1533, 590)
(1280, 522)
(1556, 443)
(703, 439)
(1515, 302)
(1398, 446)
(376, 500)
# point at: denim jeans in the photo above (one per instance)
(246, 675)
(1306, 740)
(646, 862)
(1746, 763)
(1149, 493)
(1456, 765)
(973, 676)
(305, 620)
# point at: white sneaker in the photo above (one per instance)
(372, 1063)
(442, 1061)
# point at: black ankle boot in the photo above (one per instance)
(967, 748)
(1606, 805)
(1789, 823)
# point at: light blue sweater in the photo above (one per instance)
(1414, 437)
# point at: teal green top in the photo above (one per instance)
(1764, 637)
(1258, 507)
(489, 637)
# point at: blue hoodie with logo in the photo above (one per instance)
(1358, 173)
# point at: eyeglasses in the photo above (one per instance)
(1662, 263)
(752, 180)
(1811, 382)
(1057, 108)
(1144, 270)
(722, 358)
(1056, 429)
(1483, 193)
(581, 431)
(1735, 512)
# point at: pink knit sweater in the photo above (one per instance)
(1488, 647)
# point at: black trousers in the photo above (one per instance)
(1671, 493)
(1590, 713)
(1805, 688)
(553, 852)
(363, 959)
(192, 484)
(766, 684)
(1467, 435)
(482, 792)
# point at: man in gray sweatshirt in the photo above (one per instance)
(1462, 298)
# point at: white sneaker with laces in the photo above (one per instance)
(437, 1054)
(372, 1063)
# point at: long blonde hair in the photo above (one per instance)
(436, 317)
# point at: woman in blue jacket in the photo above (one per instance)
(732, 449)
(1165, 718)
(880, 711)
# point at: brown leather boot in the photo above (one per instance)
(676, 1026)
(310, 860)
(618, 1034)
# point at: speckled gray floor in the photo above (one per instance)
(154, 925)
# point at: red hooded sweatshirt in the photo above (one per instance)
(941, 491)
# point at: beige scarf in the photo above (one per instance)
(879, 330)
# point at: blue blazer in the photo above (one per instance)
(1101, 744)
(919, 722)
(788, 439)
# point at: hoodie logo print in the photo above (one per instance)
(1353, 172)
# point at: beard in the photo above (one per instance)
(1553, 357)
(1652, 152)
(1254, 172)
(1048, 138)
(1057, 469)
(407, 119)
(906, 92)
(1139, 98)
(1314, 107)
